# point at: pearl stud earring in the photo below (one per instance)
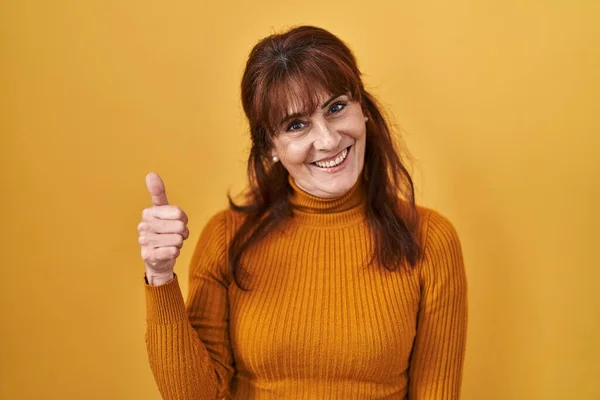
(366, 119)
(275, 159)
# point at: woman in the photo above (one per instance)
(329, 282)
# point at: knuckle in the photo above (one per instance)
(177, 211)
(143, 240)
(167, 253)
(180, 226)
(146, 214)
(142, 226)
(178, 240)
(161, 255)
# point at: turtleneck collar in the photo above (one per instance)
(341, 210)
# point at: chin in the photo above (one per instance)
(338, 187)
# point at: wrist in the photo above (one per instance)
(157, 279)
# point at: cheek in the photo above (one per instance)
(296, 152)
(353, 125)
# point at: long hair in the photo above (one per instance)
(289, 68)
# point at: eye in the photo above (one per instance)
(337, 107)
(295, 126)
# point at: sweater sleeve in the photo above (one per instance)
(188, 346)
(438, 351)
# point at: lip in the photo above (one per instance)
(333, 157)
(337, 167)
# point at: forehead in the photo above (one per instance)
(294, 104)
(305, 102)
(297, 96)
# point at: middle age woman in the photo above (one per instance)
(329, 282)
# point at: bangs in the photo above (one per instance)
(297, 88)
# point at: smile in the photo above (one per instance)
(333, 164)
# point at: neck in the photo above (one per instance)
(337, 210)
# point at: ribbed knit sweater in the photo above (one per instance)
(318, 322)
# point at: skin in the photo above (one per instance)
(337, 124)
(161, 233)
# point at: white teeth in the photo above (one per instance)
(337, 161)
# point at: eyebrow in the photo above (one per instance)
(301, 114)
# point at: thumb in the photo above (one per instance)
(156, 188)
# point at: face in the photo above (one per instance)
(323, 152)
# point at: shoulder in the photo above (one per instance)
(223, 223)
(436, 224)
(442, 247)
(430, 223)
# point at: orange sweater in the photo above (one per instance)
(317, 323)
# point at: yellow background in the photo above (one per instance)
(498, 102)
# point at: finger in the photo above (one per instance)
(166, 253)
(162, 226)
(161, 240)
(156, 188)
(164, 212)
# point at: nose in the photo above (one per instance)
(326, 139)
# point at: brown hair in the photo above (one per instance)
(290, 67)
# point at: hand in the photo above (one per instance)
(162, 232)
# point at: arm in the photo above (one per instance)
(437, 357)
(188, 346)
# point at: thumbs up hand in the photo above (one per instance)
(162, 231)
